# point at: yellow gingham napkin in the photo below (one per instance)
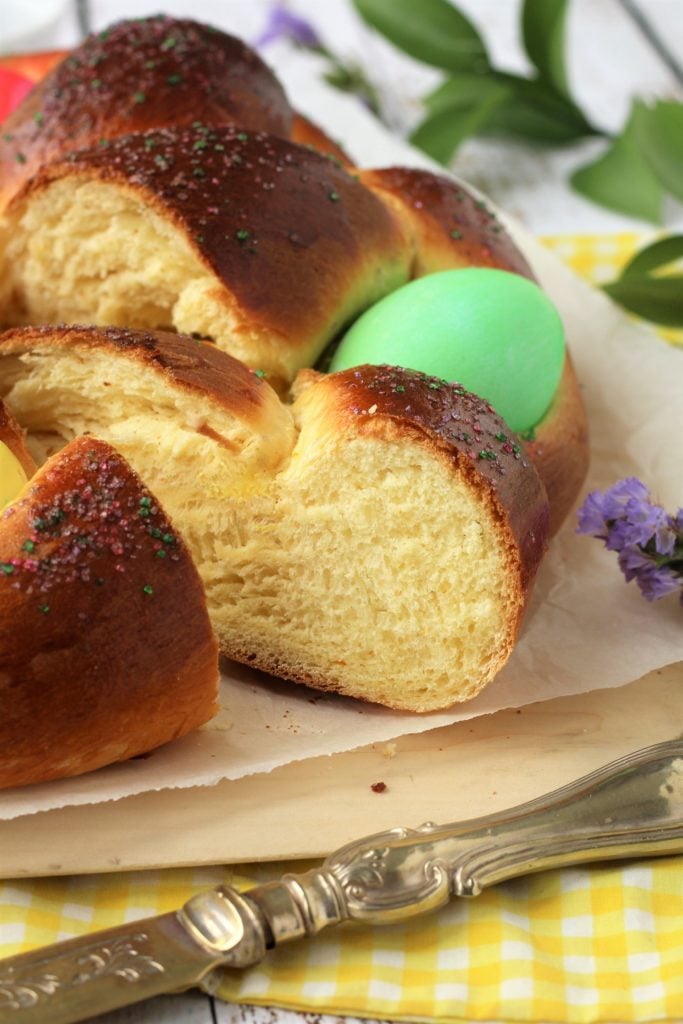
(599, 944)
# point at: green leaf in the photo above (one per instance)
(622, 179)
(659, 299)
(433, 31)
(463, 90)
(653, 257)
(659, 132)
(543, 24)
(535, 111)
(440, 134)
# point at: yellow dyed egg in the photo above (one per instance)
(12, 476)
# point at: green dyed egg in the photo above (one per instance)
(494, 332)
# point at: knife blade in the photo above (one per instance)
(630, 807)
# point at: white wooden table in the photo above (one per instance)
(617, 48)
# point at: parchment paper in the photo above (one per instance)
(586, 628)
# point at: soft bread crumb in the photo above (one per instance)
(361, 563)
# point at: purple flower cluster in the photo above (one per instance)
(282, 24)
(648, 541)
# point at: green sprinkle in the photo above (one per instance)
(103, 143)
(199, 238)
(29, 545)
(200, 144)
(161, 162)
(334, 196)
(161, 553)
(44, 608)
(174, 79)
(148, 588)
(260, 373)
(7, 568)
(139, 97)
(155, 532)
(219, 147)
(434, 385)
(7, 136)
(168, 538)
(500, 436)
(150, 64)
(242, 136)
(198, 172)
(96, 83)
(38, 117)
(147, 501)
(242, 235)
(399, 388)
(486, 453)
(20, 158)
(528, 435)
(516, 449)
(150, 144)
(169, 42)
(456, 234)
(196, 124)
(144, 513)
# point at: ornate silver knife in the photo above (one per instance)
(632, 807)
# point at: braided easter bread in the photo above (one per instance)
(79, 571)
(353, 540)
(373, 531)
(141, 74)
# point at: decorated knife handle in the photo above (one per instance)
(631, 807)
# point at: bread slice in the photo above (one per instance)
(106, 650)
(378, 538)
(263, 246)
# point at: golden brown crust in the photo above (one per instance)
(13, 436)
(195, 366)
(299, 245)
(449, 226)
(140, 74)
(471, 441)
(105, 645)
(559, 447)
(466, 428)
(306, 133)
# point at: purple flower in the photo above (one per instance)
(649, 542)
(282, 24)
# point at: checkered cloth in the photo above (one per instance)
(581, 945)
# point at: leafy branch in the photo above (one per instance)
(636, 170)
